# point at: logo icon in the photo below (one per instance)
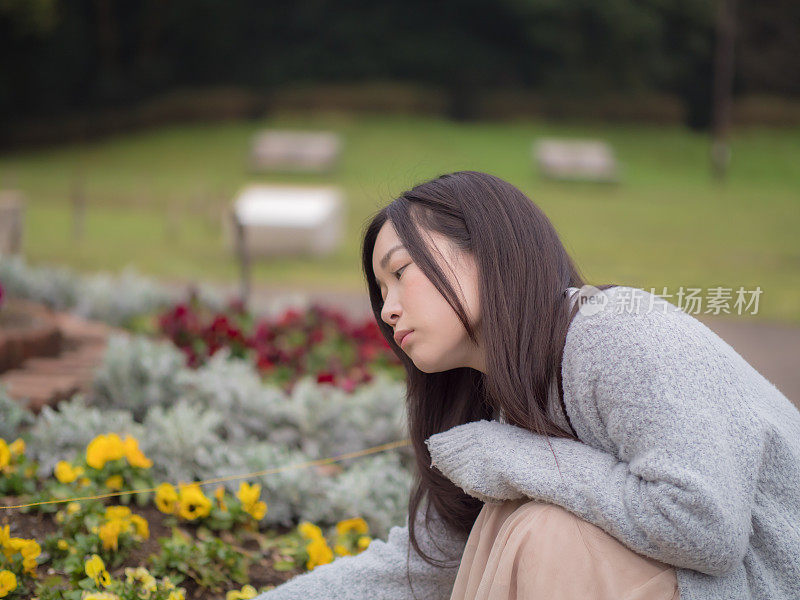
(591, 300)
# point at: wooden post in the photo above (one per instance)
(78, 206)
(723, 86)
(12, 221)
(244, 258)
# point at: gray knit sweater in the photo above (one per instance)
(686, 454)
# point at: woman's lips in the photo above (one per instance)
(405, 338)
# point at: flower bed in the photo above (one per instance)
(203, 392)
(152, 409)
(319, 341)
(168, 543)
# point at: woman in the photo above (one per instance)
(571, 442)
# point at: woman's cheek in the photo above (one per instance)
(413, 293)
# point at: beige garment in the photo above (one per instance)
(529, 550)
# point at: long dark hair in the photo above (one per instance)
(523, 272)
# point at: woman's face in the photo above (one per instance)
(438, 341)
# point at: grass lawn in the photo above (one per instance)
(668, 224)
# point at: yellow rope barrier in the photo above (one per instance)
(310, 463)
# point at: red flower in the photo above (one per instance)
(264, 332)
(325, 377)
(289, 317)
(235, 334)
(179, 324)
(264, 363)
(318, 341)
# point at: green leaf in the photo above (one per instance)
(283, 565)
(87, 584)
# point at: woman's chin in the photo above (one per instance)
(426, 366)
(430, 366)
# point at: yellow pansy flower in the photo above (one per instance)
(5, 541)
(141, 525)
(142, 575)
(258, 510)
(341, 550)
(100, 596)
(135, 456)
(357, 524)
(245, 593)
(62, 544)
(115, 482)
(30, 551)
(103, 448)
(176, 595)
(166, 498)
(73, 507)
(31, 548)
(96, 569)
(117, 512)
(318, 553)
(363, 542)
(249, 496)
(17, 447)
(5, 454)
(29, 566)
(192, 502)
(66, 473)
(309, 530)
(8, 583)
(132, 575)
(109, 533)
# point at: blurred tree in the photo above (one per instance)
(769, 46)
(59, 57)
(29, 17)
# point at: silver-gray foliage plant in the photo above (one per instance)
(14, 419)
(138, 373)
(113, 299)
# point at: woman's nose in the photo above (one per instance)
(390, 311)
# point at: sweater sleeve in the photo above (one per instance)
(380, 573)
(671, 457)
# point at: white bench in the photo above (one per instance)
(576, 160)
(281, 220)
(285, 150)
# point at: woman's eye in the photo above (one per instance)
(400, 270)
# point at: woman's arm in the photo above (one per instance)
(379, 572)
(672, 453)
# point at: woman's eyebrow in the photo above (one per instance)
(388, 255)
